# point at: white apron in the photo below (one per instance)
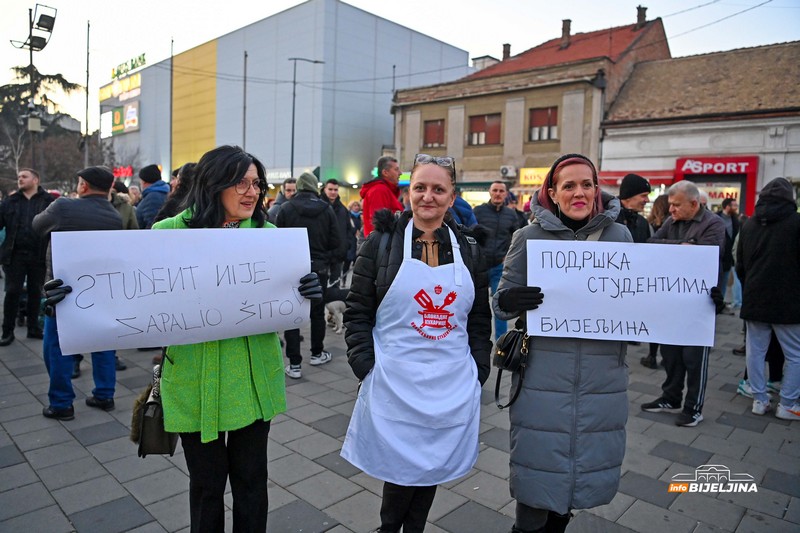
(415, 422)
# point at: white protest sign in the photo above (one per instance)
(134, 289)
(624, 291)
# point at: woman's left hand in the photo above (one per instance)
(310, 287)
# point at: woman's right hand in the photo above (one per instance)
(519, 299)
(54, 292)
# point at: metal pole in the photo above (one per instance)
(244, 105)
(294, 96)
(86, 120)
(31, 107)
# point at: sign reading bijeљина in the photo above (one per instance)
(135, 289)
(623, 291)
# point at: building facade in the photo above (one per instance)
(242, 88)
(729, 121)
(512, 119)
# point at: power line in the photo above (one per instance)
(723, 18)
(690, 9)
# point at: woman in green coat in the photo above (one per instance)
(221, 395)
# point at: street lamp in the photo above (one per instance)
(36, 43)
(294, 96)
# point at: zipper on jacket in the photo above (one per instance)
(574, 431)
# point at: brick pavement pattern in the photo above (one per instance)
(84, 474)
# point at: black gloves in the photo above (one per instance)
(519, 299)
(310, 287)
(54, 291)
(719, 301)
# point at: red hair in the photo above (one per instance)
(552, 179)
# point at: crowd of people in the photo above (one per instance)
(430, 282)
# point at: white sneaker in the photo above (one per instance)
(788, 413)
(320, 358)
(744, 389)
(761, 408)
(293, 371)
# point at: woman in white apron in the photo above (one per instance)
(418, 335)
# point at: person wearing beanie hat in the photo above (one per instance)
(633, 195)
(307, 210)
(307, 182)
(154, 194)
(90, 211)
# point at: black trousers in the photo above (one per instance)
(243, 459)
(530, 520)
(292, 336)
(23, 265)
(689, 363)
(405, 507)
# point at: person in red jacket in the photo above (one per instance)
(382, 192)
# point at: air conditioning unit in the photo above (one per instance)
(508, 171)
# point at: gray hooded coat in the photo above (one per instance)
(568, 424)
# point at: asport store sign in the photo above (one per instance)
(725, 176)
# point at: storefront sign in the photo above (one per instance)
(124, 88)
(533, 176)
(131, 64)
(723, 177)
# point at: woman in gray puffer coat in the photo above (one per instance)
(568, 424)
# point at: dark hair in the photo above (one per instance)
(175, 171)
(177, 198)
(726, 202)
(218, 169)
(289, 180)
(383, 162)
(332, 182)
(35, 174)
(501, 182)
(120, 186)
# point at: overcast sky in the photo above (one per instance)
(124, 29)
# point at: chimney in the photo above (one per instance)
(506, 51)
(565, 28)
(641, 17)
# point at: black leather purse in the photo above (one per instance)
(147, 427)
(511, 354)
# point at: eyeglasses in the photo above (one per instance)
(243, 186)
(446, 162)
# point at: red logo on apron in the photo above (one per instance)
(434, 316)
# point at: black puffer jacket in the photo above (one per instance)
(636, 224)
(16, 215)
(343, 224)
(307, 210)
(768, 257)
(501, 222)
(371, 282)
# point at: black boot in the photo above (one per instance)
(649, 361)
(7, 338)
(557, 523)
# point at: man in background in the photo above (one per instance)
(381, 193)
(154, 194)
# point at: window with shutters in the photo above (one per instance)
(433, 136)
(484, 129)
(543, 124)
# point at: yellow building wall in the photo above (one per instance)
(194, 103)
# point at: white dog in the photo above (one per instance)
(333, 315)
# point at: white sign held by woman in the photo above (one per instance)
(623, 291)
(135, 289)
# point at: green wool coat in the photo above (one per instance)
(216, 386)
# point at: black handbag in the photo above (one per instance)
(511, 354)
(147, 427)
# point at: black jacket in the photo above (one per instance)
(307, 210)
(16, 216)
(92, 212)
(768, 258)
(727, 253)
(346, 232)
(501, 222)
(371, 282)
(636, 224)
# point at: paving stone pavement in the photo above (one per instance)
(84, 475)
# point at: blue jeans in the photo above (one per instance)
(737, 291)
(722, 282)
(59, 367)
(495, 272)
(758, 337)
